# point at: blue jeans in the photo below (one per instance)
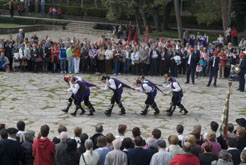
(126, 66)
(116, 67)
(63, 65)
(70, 64)
(43, 8)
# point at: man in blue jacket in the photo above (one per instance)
(192, 59)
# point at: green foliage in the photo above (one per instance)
(97, 12)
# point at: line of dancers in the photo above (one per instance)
(81, 93)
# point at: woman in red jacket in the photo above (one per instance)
(55, 51)
(223, 59)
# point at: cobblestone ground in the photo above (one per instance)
(38, 99)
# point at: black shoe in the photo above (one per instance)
(208, 85)
(215, 85)
(82, 112)
(241, 90)
(107, 112)
(186, 82)
(65, 110)
(169, 114)
(169, 110)
(143, 113)
(156, 112)
(193, 83)
(122, 113)
(74, 113)
(90, 114)
(185, 111)
(180, 110)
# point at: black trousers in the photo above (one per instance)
(241, 78)
(114, 98)
(149, 100)
(154, 67)
(190, 71)
(213, 73)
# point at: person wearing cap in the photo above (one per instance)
(27, 147)
(192, 59)
(162, 157)
(213, 68)
(241, 74)
(11, 152)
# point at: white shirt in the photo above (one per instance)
(109, 54)
(145, 88)
(176, 86)
(154, 54)
(110, 84)
(73, 88)
(214, 61)
(189, 60)
(134, 57)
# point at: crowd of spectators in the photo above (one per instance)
(18, 145)
(111, 56)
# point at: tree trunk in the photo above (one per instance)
(166, 16)
(82, 3)
(178, 17)
(229, 12)
(95, 3)
(224, 14)
(156, 17)
(138, 22)
(144, 18)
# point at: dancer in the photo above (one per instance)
(151, 91)
(82, 94)
(177, 92)
(117, 87)
(143, 80)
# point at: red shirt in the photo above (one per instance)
(44, 151)
(183, 159)
(55, 52)
(234, 33)
(223, 59)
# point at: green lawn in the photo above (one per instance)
(174, 34)
(3, 25)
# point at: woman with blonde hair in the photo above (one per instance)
(174, 145)
(195, 149)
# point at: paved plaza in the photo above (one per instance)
(38, 99)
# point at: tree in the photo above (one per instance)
(178, 17)
(225, 13)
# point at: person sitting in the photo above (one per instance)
(50, 12)
(233, 75)
(20, 9)
(4, 63)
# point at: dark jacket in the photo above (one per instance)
(11, 152)
(216, 66)
(71, 158)
(94, 140)
(28, 157)
(242, 66)
(194, 60)
(152, 151)
(138, 156)
(60, 148)
(207, 158)
(151, 54)
(235, 153)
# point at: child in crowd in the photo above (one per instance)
(203, 63)
(199, 70)
(77, 133)
(181, 136)
(233, 75)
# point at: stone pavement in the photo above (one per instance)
(38, 99)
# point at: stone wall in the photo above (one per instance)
(30, 28)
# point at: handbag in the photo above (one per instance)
(38, 59)
(24, 63)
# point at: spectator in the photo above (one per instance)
(174, 147)
(99, 131)
(241, 135)
(27, 148)
(4, 63)
(180, 130)
(44, 149)
(59, 13)
(232, 148)
(11, 151)
(151, 146)
(195, 149)
(121, 132)
(61, 128)
(127, 144)
(223, 59)
(234, 35)
(50, 12)
(162, 157)
(243, 157)
(109, 139)
(156, 133)
(20, 136)
(3, 134)
(77, 133)
(138, 155)
(43, 6)
(102, 150)
(71, 156)
(207, 156)
(187, 158)
(224, 159)
(230, 128)
(136, 132)
(211, 137)
(83, 138)
(20, 9)
(11, 8)
(20, 36)
(60, 148)
(116, 156)
(197, 135)
(89, 157)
